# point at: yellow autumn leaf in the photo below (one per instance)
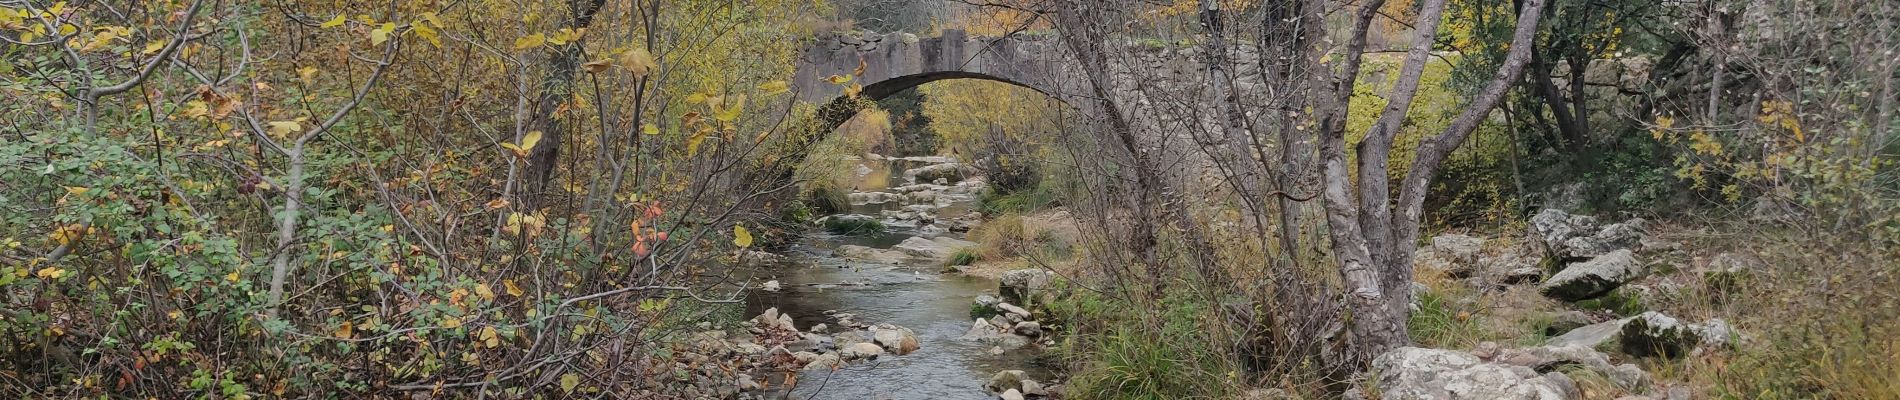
(69, 233)
(566, 35)
(485, 292)
(639, 62)
(692, 142)
(285, 128)
(346, 331)
(451, 322)
(77, 190)
(426, 33)
(308, 74)
(650, 129)
(528, 142)
(50, 273)
(741, 237)
(530, 41)
(232, 277)
(513, 290)
(775, 87)
(333, 22)
(569, 381)
(433, 19)
(596, 66)
(381, 34)
(489, 336)
(729, 110)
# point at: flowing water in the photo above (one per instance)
(915, 295)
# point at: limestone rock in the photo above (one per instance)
(899, 340)
(1594, 278)
(1023, 285)
(939, 248)
(1028, 328)
(861, 351)
(881, 256)
(1553, 227)
(1618, 236)
(1011, 394)
(950, 172)
(1012, 309)
(1006, 381)
(1458, 248)
(1033, 388)
(1435, 374)
(822, 361)
(1654, 334)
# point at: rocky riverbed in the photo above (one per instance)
(859, 314)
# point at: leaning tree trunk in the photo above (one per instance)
(556, 90)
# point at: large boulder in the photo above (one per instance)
(1594, 278)
(1553, 227)
(1413, 373)
(1458, 248)
(1569, 238)
(1618, 236)
(1654, 334)
(948, 172)
(987, 333)
(1023, 285)
(860, 351)
(822, 361)
(1551, 358)
(899, 340)
(1650, 334)
(939, 248)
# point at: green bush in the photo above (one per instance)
(963, 256)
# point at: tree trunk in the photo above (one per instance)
(556, 89)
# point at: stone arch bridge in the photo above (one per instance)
(894, 62)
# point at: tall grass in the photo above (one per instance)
(1164, 352)
(1823, 322)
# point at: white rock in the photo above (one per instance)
(860, 351)
(1435, 374)
(1013, 309)
(822, 361)
(1011, 394)
(1590, 279)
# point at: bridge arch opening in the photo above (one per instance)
(841, 108)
